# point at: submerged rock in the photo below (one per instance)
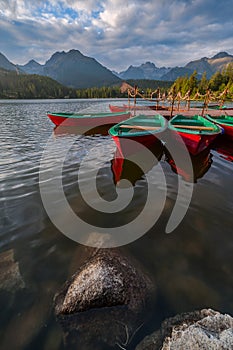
(10, 277)
(104, 301)
(199, 330)
(107, 279)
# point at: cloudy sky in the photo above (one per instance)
(116, 33)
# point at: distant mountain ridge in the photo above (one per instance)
(73, 69)
(208, 65)
(146, 70)
(176, 72)
(211, 65)
(6, 64)
(32, 67)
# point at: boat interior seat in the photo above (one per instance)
(191, 122)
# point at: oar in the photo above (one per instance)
(140, 127)
(195, 127)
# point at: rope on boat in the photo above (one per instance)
(173, 96)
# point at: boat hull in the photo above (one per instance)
(115, 109)
(137, 133)
(146, 107)
(195, 143)
(89, 120)
(196, 132)
(228, 129)
(138, 108)
(130, 145)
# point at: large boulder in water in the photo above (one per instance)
(104, 301)
(199, 330)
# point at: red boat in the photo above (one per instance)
(196, 132)
(225, 121)
(137, 132)
(82, 120)
(137, 108)
(116, 109)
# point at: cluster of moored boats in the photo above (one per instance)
(196, 131)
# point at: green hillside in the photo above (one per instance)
(32, 86)
(25, 86)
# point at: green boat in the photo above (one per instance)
(197, 132)
(144, 129)
(225, 121)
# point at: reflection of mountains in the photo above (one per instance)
(135, 165)
(78, 130)
(201, 163)
(224, 146)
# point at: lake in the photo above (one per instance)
(191, 266)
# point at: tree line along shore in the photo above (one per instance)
(20, 86)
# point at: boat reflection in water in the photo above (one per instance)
(201, 163)
(130, 168)
(224, 146)
(79, 130)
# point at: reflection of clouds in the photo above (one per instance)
(209, 26)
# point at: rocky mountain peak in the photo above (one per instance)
(5, 63)
(32, 63)
(148, 65)
(58, 57)
(221, 54)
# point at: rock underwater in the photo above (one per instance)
(198, 330)
(103, 304)
(10, 277)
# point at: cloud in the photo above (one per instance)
(116, 32)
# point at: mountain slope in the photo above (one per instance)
(149, 71)
(220, 61)
(73, 69)
(211, 65)
(176, 72)
(132, 73)
(14, 85)
(146, 70)
(201, 66)
(78, 71)
(32, 67)
(6, 64)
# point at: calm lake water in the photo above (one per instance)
(192, 266)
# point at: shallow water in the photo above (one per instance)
(191, 266)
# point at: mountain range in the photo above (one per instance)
(146, 70)
(71, 69)
(149, 71)
(75, 70)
